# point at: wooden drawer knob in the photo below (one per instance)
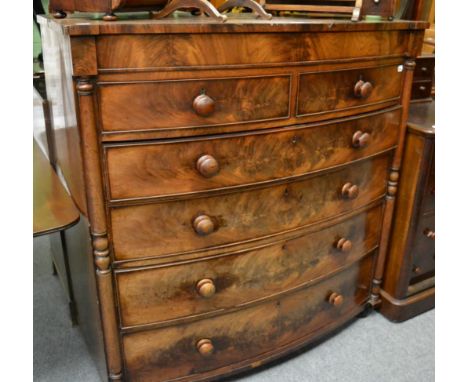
(205, 347)
(335, 299)
(416, 269)
(363, 89)
(203, 105)
(344, 245)
(349, 191)
(203, 225)
(206, 288)
(207, 166)
(360, 139)
(429, 233)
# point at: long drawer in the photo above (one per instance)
(164, 293)
(196, 224)
(249, 334)
(191, 165)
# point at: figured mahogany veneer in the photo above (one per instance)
(237, 339)
(167, 228)
(238, 182)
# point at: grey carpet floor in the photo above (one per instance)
(367, 350)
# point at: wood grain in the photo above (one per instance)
(166, 228)
(163, 168)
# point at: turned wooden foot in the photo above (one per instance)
(203, 5)
(250, 4)
(59, 15)
(109, 17)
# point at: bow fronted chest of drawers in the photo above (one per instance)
(236, 182)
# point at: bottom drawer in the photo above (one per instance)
(423, 251)
(240, 338)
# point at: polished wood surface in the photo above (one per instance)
(152, 169)
(239, 337)
(54, 209)
(411, 262)
(167, 228)
(238, 182)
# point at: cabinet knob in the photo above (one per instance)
(360, 139)
(203, 225)
(206, 288)
(207, 166)
(203, 105)
(205, 347)
(344, 245)
(429, 233)
(416, 269)
(349, 191)
(363, 89)
(335, 299)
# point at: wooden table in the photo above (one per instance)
(54, 209)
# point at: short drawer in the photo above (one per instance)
(179, 104)
(202, 223)
(421, 90)
(222, 282)
(423, 249)
(424, 68)
(248, 335)
(322, 92)
(199, 164)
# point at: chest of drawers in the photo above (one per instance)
(236, 182)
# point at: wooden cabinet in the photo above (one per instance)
(409, 283)
(236, 182)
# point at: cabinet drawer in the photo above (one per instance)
(322, 92)
(192, 165)
(246, 335)
(179, 104)
(421, 89)
(189, 289)
(423, 250)
(197, 224)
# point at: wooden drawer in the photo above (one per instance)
(159, 105)
(424, 68)
(171, 227)
(423, 249)
(223, 282)
(192, 165)
(322, 92)
(246, 335)
(421, 89)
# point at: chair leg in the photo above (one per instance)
(250, 4)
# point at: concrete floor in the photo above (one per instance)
(367, 350)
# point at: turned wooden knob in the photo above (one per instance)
(416, 269)
(206, 288)
(429, 233)
(360, 139)
(362, 89)
(203, 105)
(335, 299)
(349, 191)
(207, 166)
(205, 347)
(344, 245)
(203, 225)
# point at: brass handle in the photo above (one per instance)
(360, 139)
(344, 245)
(206, 288)
(207, 166)
(335, 299)
(363, 89)
(349, 191)
(203, 105)
(205, 347)
(429, 233)
(204, 225)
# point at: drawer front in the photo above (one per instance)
(169, 353)
(166, 293)
(428, 198)
(424, 69)
(321, 92)
(186, 166)
(192, 103)
(197, 224)
(421, 89)
(423, 251)
(196, 50)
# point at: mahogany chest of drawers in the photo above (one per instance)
(236, 182)
(409, 282)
